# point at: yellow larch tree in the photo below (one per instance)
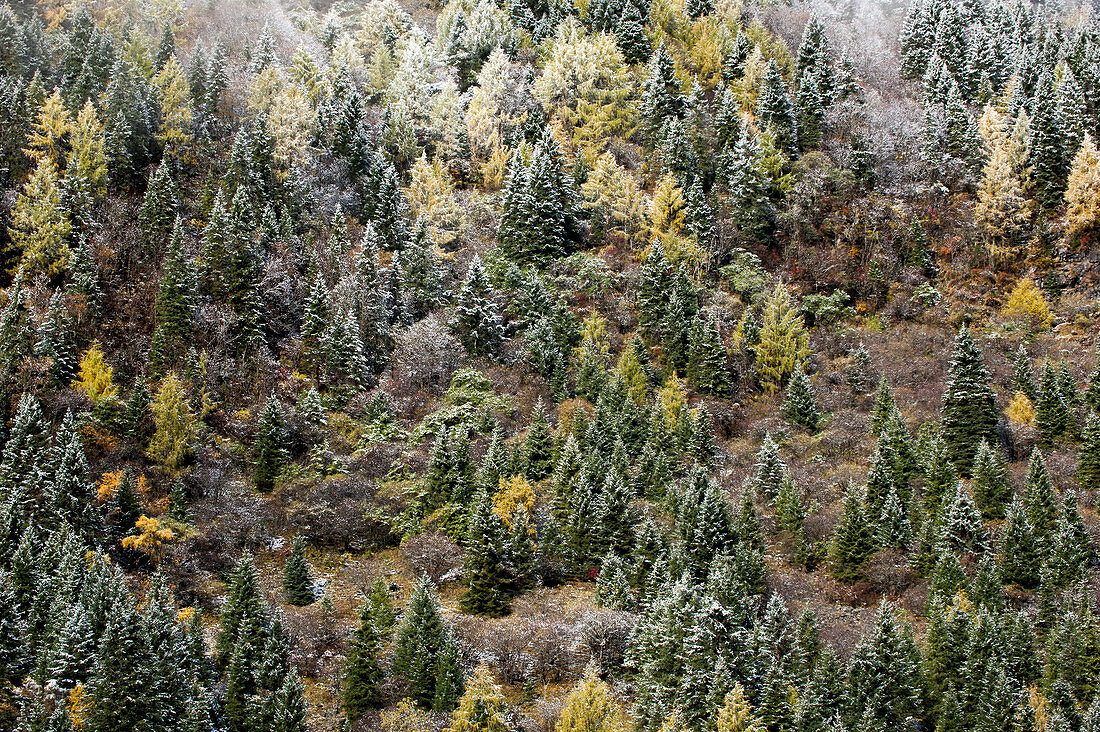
(1083, 190)
(49, 135)
(175, 425)
(40, 226)
(590, 708)
(481, 708)
(1002, 208)
(175, 109)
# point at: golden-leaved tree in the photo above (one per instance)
(1083, 190)
(590, 708)
(783, 342)
(40, 226)
(1003, 208)
(175, 425)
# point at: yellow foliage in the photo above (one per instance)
(151, 540)
(784, 342)
(108, 484)
(1083, 190)
(184, 615)
(96, 377)
(706, 52)
(672, 401)
(481, 708)
(629, 369)
(40, 226)
(87, 159)
(431, 199)
(736, 715)
(494, 169)
(406, 717)
(50, 132)
(175, 425)
(666, 210)
(1020, 410)
(175, 108)
(569, 412)
(78, 706)
(513, 493)
(613, 196)
(590, 708)
(1026, 302)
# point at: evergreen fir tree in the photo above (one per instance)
(1020, 548)
(992, 489)
(363, 672)
(1039, 497)
(297, 582)
(477, 321)
(425, 653)
(485, 571)
(1023, 380)
(800, 407)
(706, 365)
(1088, 456)
(969, 411)
(267, 449)
(852, 542)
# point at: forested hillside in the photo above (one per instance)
(549, 366)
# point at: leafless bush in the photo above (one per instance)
(889, 571)
(425, 356)
(606, 635)
(433, 555)
(332, 514)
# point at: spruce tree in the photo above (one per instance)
(297, 582)
(267, 449)
(992, 489)
(1088, 456)
(484, 560)
(363, 672)
(706, 367)
(969, 410)
(1039, 496)
(800, 407)
(1052, 413)
(477, 321)
(425, 652)
(174, 309)
(1020, 549)
(852, 542)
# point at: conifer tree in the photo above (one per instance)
(481, 708)
(992, 489)
(706, 366)
(174, 310)
(485, 571)
(1039, 496)
(783, 341)
(662, 97)
(1052, 413)
(883, 406)
(160, 209)
(267, 449)
(1088, 456)
(477, 321)
(852, 542)
(40, 226)
(969, 411)
(800, 406)
(425, 653)
(297, 582)
(1023, 380)
(1020, 549)
(174, 425)
(752, 212)
(538, 446)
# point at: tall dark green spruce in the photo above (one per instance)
(363, 672)
(800, 406)
(267, 450)
(426, 654)
(297, 582)
(485, 572)
(969, 407)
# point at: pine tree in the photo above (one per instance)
(538, 446)
(1052, 413)
(969, 411)
(1023, 380)
(662, 97)
(1039, 496)
(706, 366)
(425, 653)
(852, 542)
(485, 594)
(752, 213)
(800, 406)
(1083, 190)
(477, 321)
(885, 684)
(297, 582)
(991, 486)
(1020, 548)
(160, 209)
(267, 449)
(962, 523)
(1088, 457)
(883, 406)
(174, 310)
(612, 587)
